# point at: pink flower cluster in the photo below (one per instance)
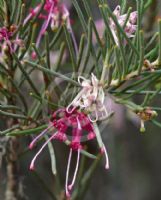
(5, 34)
(74, 127)
(53, 14)
(6, 39)
(78, 121)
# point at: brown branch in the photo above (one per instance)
(12, 170)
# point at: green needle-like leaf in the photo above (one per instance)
(52, 156)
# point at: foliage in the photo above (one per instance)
(126, 69)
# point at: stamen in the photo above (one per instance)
(79, 124)
(76, 171)
(38, 153)
(67, 174)
(106, 156)
(83, 79)
(78, 155)
(34, 11)
(40, 135)
(70, 108)
(44, 26)
(73, 104)
(96, 118)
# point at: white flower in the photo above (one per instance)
(91, 99)
(130, 27)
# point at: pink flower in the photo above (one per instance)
(71, 127)
(53, 14)
(61, 124)
(5, 34)
(130, 27)
(6, 39)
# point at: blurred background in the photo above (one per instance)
(135, 160)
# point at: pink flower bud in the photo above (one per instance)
(33, 55)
